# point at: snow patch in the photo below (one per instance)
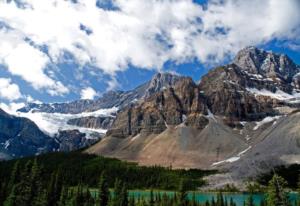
(6, 144)
(265, 120)
(279, 94)
(211, 115)
(232, 159)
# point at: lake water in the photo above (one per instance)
(201, 197)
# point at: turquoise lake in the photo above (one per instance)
(201, 197)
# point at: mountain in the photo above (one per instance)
(241, 118)
(83, 122)
(238, 112)
(21, 137)
(110, 99)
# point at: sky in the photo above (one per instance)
(63, 50)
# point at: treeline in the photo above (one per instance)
(25, 187)
(289, 173)
(85, 169)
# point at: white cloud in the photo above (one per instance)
(8, 90)
(88, 93)
(142, 33)
(28, 62)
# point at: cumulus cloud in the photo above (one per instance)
(8, 90)
(88, 93)
(142, 33)
(26, 61)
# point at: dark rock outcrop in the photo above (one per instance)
(70, 140)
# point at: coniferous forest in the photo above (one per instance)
(60, 179)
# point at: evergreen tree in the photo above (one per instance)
(54, 189)
(151, 200)
(116, 200)
(14, 177)
(20, 194)
(131, 201)
(213, 202)
(103, 191)
(63, 197)
(220, 199)
(276, 194)
(12, 199)
(250, 201)
(182, 193)
(194, 201)
(124, 196)
(231, 202)
(38, 194)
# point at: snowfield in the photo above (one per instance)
(52, 123)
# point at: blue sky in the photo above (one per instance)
(57, 51)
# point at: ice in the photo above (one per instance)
(52, 123)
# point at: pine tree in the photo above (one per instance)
(182, 193)
(250, 201)
(63, 197)
(131, 201)
(194, 201)
(12, 198)
(116, 200)
(124, 196)
(38, 194)
(21, 193)
(14, 177)
(276, 194)
(298, 199)
(151, 200)
(231, 202)
(103, 191)
(54, 189)
(220, 199)
(213, 202)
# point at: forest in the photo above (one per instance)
(61, 179)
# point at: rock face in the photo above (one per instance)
(210, 124)
(70, 140)
(172, 106)
(278, 68)
(92, 122)
(21, 137)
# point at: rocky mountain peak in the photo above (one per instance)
(160, 81)
(265, 63)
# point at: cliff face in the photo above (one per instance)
(173, 106)
(92, 122)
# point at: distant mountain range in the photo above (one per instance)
(242, 117)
